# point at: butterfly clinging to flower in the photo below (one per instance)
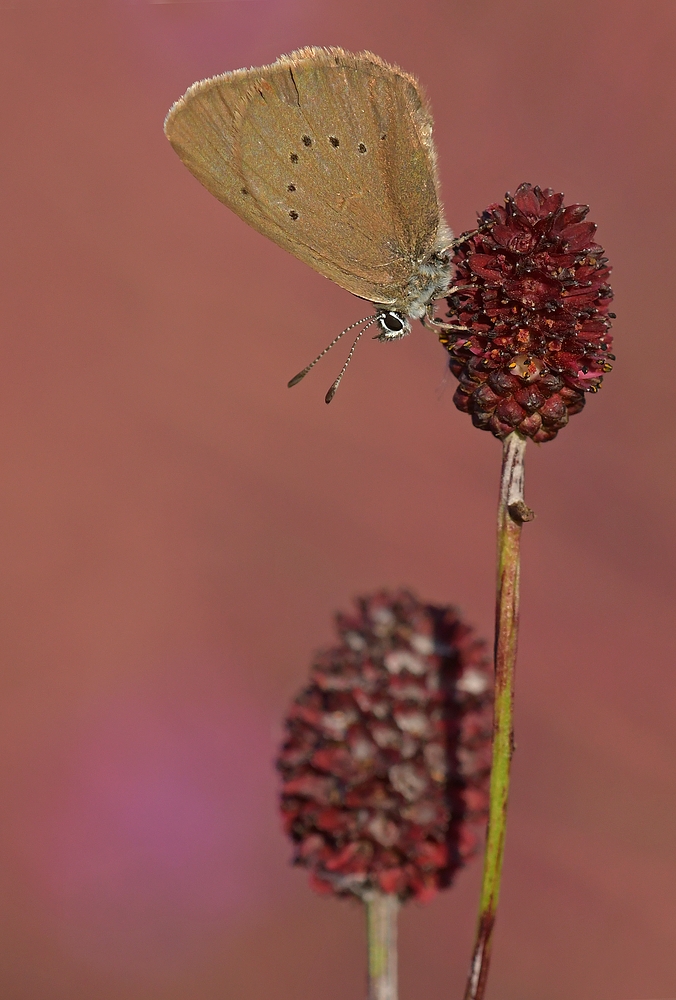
(331, 156)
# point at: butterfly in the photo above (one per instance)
(330, 155)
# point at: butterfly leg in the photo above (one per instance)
(432, 323)
(453, 289)
(458, 240)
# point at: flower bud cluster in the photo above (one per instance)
(386, 758)
(531, 290)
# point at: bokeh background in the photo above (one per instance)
(177, 527)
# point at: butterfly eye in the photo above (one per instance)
(392, 322)
(393, 325)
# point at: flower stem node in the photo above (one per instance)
(520, 512)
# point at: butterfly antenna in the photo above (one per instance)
(296, 378)
(332, 391)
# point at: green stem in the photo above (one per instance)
(512, 512)
(381, 922)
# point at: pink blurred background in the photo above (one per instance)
(177, 527)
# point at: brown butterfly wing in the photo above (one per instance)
(328, 154)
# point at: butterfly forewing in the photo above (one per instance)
(329, 155)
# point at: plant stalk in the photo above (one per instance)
(382, 909)
(512, 512)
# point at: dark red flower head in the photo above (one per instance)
(387, 751)
(531, 287)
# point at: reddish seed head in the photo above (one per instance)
(532, 288)
(387, 751)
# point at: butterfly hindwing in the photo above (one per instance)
(328, 154)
